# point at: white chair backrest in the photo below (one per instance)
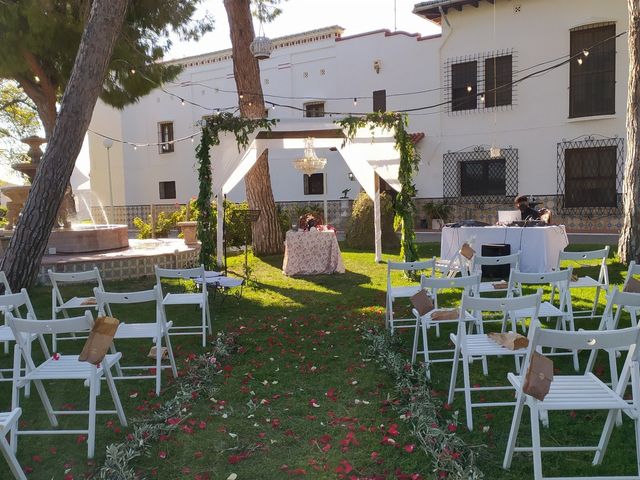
(76, 277)
(582, 339)
(469, 285)
(583, 256)
(24, 328)
(129, 298)
(508, 304)
(546, 278)
(634, 269)
(513, 260)
(180, 273)
(17, 300)
(183, 273)
(5, 283)
(617, 300)
(413, 266)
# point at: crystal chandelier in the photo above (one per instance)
(310, 163)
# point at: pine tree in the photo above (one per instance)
(266, 232)
(629, 243)
(22, 258)
(39, 41)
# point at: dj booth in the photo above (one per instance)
(539, 246)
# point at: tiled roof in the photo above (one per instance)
(416, 137)
(431, 9)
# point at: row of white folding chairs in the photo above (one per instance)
(199, 299)
(577, 260)
(569, 392)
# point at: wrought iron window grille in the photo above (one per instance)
(590, 181)
(457, 103)
(452, 177)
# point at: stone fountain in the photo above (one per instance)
(65, 238)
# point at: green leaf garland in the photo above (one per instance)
(211, 130)
(409, 160)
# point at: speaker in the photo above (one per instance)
(496, 250)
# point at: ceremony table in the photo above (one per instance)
(539, 246)
(311, 253)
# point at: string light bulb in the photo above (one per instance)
(469, 88)
(36, 79)
(482, 98)
(579, 61)
(135, 147)
(585, 53)
(241, 96)
(355, 102)
(133, 71)
(182, 102)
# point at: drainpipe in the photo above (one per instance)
(441, 61)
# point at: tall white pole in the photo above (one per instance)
(326, 209)
(108, 143)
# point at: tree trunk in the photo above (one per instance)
(23, 256)
(629, 243)
(266, 232)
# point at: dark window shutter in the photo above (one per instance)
(380, 101)
(592, 78)
(464, 86)
(483, 177)
(497, 81)
(590, 177)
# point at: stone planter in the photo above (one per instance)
(189, 230)
(437, 224)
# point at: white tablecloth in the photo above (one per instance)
(539, 246)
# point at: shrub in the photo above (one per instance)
(360, 229)
(164, 224)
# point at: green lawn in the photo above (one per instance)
(301, 398)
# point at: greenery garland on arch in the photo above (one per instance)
(409, 160)
(212, 127)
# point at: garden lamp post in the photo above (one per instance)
(108, 143)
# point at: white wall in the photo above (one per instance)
(539, 118)
(327, 68)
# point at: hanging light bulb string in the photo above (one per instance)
(410, 111)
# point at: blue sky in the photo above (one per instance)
(356, 16)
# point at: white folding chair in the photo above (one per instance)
(12, 303)
(634, 270)
(450, 268)
(563, 313)
(8, 425)
(471, 346)
(617, 301)
(469, 286)
(404, 291)
(61, 305)
(61, 367)
(602, 283)
(155, 331)
(222, 283)
(199, 299)
(577, 392)
(478, 261)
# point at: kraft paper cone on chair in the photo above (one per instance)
(89, 301)
(449, 314)
(466, 251)
(99, 340)
(632, 286)
(500, 285)
(422, 302)
(539, 376)
(510, 340)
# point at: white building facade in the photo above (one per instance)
(558, 135)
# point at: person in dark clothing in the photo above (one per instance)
(526, 210)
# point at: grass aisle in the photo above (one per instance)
(301, 398)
